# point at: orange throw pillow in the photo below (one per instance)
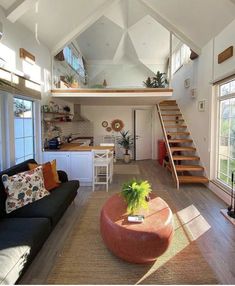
(48, 176)
(54, 170)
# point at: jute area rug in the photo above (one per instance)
(123, 169)
(86, 260)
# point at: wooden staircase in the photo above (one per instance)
(183, 163)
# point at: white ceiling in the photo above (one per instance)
(131, 26)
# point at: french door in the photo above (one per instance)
(226, 133)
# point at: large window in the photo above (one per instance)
(24, 130)
(180, 56)
(226, 140)
(75, 60)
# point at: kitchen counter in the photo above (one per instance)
(78, 148)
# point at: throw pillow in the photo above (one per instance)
(48, 175)
(54, 170)
(24, 188)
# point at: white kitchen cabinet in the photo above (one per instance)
(62, 160)
(77, 165)
(81, 167)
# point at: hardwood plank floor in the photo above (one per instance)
(214, 234)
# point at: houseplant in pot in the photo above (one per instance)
(136, 194)
(126, 141)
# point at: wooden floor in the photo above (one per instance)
(214, 234)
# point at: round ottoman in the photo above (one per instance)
(136, 242)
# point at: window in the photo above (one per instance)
(74, 60)
(180, 57)
(226, 133)
(24, 130)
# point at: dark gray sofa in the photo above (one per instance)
(23, 232)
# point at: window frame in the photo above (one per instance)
(219, 99)
(33, 122)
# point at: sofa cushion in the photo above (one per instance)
(22, 167)
(48, 176)
(52, 206)
(20, 240)
(24, 188)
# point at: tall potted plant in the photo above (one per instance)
(126, 141)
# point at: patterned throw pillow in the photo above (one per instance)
(24, 188)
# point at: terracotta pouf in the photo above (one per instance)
(136, 242)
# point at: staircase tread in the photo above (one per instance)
(186, 158)
(178, 133)
(172, 114)
(174, 121)
(193, 179)
(176, 109)
(182, 148)
(189, 168)
(175, 126)
(180, 140)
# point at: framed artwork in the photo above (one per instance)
(117, 125)
(201, 105)
(105, 124)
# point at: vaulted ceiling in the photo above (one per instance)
(113, 29)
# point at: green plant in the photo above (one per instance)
(158, 81)
(125, 141)
(70, 78)
(136, 193)
(148, 83)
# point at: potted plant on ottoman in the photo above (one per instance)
(126, 141)
(136, 194)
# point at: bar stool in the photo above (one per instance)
(102, 167)
(110, 145)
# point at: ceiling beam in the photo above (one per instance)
(18, 9)
(84, 25)
(172, 28)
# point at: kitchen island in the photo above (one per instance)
(75, 160)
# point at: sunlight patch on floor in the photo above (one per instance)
(193, 222)
(189, 225)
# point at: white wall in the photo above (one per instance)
(202, 72)
(221, 42)
(97, 114)
(16, 36)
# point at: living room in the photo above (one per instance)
(102, 82)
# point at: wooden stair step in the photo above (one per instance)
(175, 126)
(188, 168)
(175, 109)
(168, 104)
(178, 133)
(172, 114)
(185, 158)
(192, 179)
(173, 121)
(180, 140)
(190, 149)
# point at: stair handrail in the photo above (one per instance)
(173, 170)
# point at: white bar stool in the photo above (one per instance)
(102, 167)
(110, 145)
